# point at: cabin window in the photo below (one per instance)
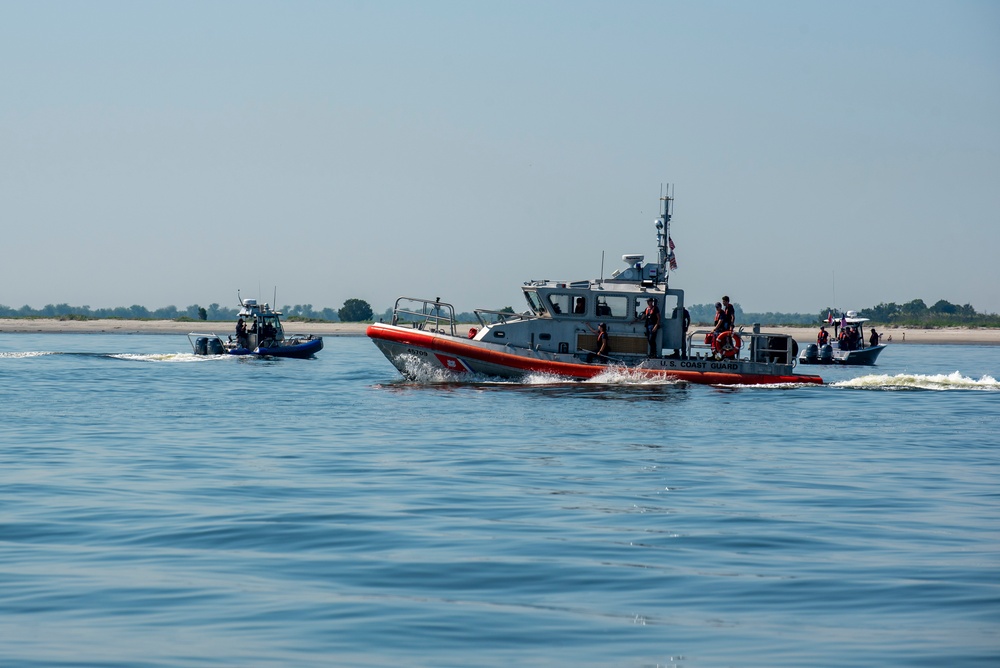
(545, 336)
(612, 306)
(669, 306)
(499, 333)
(666, 303)
(569, 304)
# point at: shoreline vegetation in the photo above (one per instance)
(35, 325)
(913, 315)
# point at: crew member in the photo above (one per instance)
(720, 320)
(651, 318)
(823, 337)
(685, 323)
(241, 333)
(602, 344)
(730, 312)
(873, 341)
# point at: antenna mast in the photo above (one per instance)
(663, 231)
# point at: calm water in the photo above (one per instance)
(158, 509)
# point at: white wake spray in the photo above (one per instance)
(14, 356)
(916, 381)
(166, 357)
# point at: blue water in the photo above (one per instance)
(158, 509)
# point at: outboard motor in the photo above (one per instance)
(201, 346)
(826, 354)
(215, 347)
(811, 355)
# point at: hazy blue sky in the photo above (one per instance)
(172, 153)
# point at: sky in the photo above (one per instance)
(821, 154)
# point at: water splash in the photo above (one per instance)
(617, 375)
(166, 357)
(768, 386)
(418, 371)
(23, 355)
(904, 381)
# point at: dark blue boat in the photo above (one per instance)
(259, 332)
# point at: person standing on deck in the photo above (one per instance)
(601, 354)
(730, 312)
(651, 318)
(241, 333)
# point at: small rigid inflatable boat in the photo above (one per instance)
(261, 334)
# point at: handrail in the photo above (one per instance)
(502, 316)
(755, 346)
(433, 312)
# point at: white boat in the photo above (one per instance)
(848, 348)
(557, 334)
(264, 336)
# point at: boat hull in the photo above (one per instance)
(404, 347)
(302, 350)
(861, 357)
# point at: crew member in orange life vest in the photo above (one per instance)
(720, 319)
(651, 317)
(602, 344)
(823, 337)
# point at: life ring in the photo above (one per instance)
(727, 344)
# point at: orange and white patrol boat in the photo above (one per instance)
(558, 333)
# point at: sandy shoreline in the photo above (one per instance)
(977, 336)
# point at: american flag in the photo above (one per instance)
(670, 242)
(673, 262)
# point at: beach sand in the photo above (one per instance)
(900, 335)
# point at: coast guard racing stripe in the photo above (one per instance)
(453, 363)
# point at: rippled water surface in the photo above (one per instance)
(158, 509)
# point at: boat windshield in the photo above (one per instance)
(272, 327)
(535, 302)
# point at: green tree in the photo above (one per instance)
(202, 313)
(942, 306)
(355, 310)
(916, 307)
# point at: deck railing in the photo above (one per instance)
(431, 315)
(755, 346)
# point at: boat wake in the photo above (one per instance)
(15, 356)
(903, 381)
(131, 357)
(166, 357)
(768, 386)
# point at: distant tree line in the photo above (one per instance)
(911, 314)
(135, 312)
(354, 310)
(917, 314)
(704, 314)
